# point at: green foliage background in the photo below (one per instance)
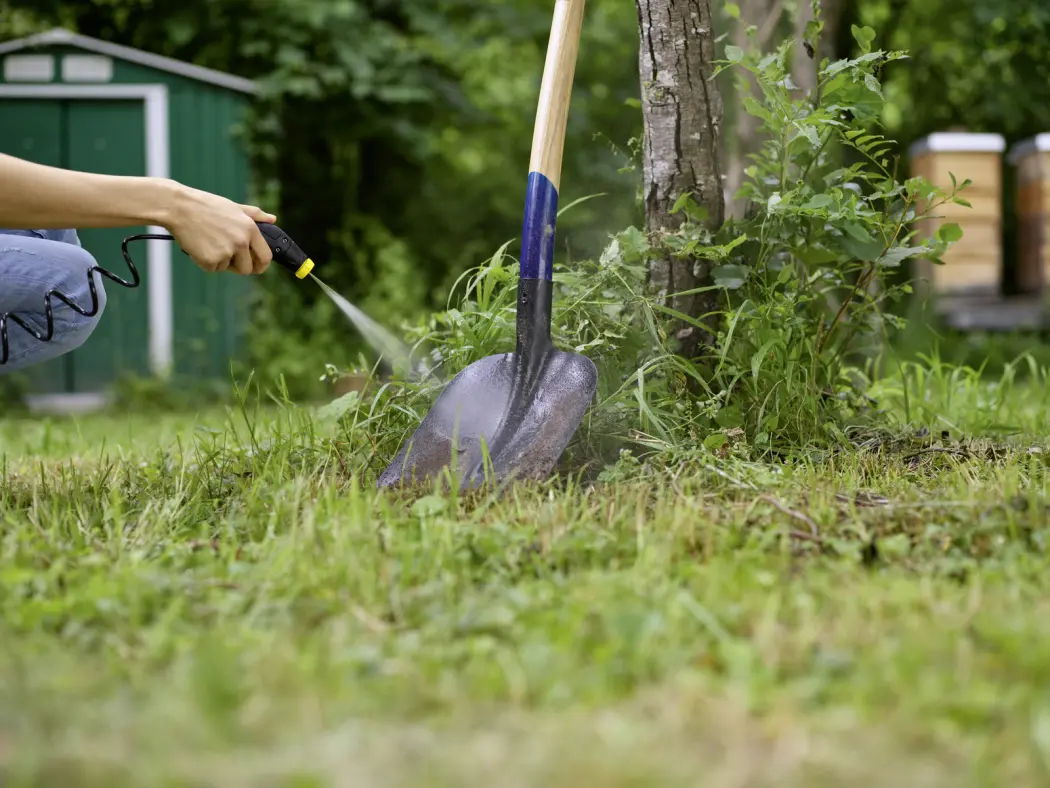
(392, 136)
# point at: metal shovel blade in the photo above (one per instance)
(511, 416)
(506, 417)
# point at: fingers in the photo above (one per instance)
(242, 261)
(262, 255)
(220, 235)
(261, 252)
(215, 265)
(251, 255)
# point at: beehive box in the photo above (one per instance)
(973, 264)
(1031, 158)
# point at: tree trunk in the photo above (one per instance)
(682, 119)
(804, 68)
(766, 16)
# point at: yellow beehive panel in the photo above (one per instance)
(956, 276)
(974, 262)
(982, 206)
(920, 165)
(984, 194)
(983, 169)
(981, 237)
(1031, 159)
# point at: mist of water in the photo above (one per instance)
(393, 351)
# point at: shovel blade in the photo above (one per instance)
(491, 423)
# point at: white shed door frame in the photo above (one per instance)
(158, 252)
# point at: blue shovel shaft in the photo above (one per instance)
(539, 228)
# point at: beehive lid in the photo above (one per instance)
(958, 142)
(1040, 143)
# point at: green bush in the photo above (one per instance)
(816, 261)
(803, 282)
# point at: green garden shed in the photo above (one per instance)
(72, 101)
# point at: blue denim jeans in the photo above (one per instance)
(32, 262)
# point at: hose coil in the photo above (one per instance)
(54, 293)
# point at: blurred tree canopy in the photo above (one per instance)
(982, 65)
(978, 65)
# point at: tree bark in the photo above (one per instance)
(682, 120)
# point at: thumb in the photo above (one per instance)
(258, 214)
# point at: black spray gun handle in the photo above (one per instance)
(286, 252)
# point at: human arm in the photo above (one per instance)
(216, 233)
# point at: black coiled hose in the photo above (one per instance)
(285, 253)
(56, 293)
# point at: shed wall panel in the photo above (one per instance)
(209, 310)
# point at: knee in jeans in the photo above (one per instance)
(76, 286)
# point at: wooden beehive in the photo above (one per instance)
(974, 264)
(1031, 158)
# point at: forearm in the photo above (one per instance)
(34, 196)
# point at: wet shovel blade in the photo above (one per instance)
(524, 426)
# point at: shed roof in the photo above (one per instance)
(61, 37)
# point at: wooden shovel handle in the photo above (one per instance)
(548, 143)
(548, 138)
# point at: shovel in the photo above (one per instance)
(511, 416)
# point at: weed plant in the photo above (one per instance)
(808, 283)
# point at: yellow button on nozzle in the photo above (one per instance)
(305, 269)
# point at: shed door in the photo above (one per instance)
(32, 130)
(108, 137)
(103, 136)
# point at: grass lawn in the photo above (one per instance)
(176, 610)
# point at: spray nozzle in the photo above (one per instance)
(285, 251)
